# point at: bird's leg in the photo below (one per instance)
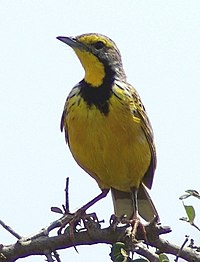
(134, 193)
(135, 220)
(135, 216)
(80, 213)
(95, 200)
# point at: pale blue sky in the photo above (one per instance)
(159, 42)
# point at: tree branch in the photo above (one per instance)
(43, 245)
(91, 233)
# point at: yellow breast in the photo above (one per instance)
(112, 148)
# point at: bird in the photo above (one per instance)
(107, 128)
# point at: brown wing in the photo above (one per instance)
(123, 90)
(70, 102)
(139, 111)
(62, 123)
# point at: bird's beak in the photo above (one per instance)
(72, 42)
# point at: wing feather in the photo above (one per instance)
(138, 110)
(70, 102)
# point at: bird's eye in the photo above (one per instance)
(99, 45)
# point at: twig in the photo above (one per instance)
(195, 226)
(56, 255)
(49, 256)
(181, 248)
(67, 196)
(168, 248)
(45, 231)
(10, 230)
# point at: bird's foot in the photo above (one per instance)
(70, 221)
(115, 221)
(136, 231)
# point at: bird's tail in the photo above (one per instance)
(123, 204)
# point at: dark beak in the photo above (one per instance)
(70, 41)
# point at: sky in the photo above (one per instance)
(159, 42)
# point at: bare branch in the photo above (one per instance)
(39, 245)
(10, 230)
(143, 250)
(91, 233)
(49, 256)
(186, 253)
(57, 257)
(67, 196)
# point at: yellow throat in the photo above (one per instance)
(94, 69)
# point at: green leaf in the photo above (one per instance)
(190, 213)
(116, 248)
(119, 253)
(120, 258)
(163, 258)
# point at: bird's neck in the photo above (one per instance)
(94, 69)
(98, 73)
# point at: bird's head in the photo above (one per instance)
(98, 55)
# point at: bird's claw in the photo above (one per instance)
(70, 221)
(136, 232)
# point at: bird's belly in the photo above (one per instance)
(112, 148)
